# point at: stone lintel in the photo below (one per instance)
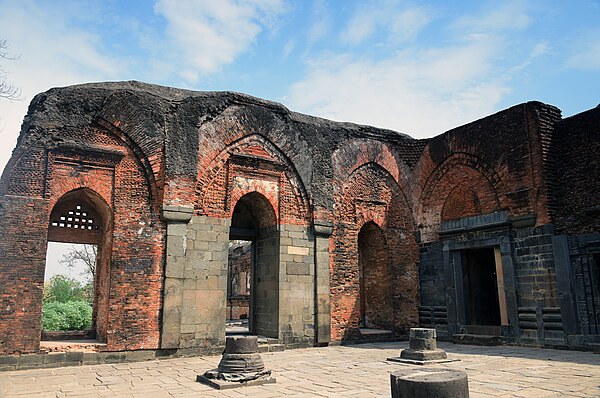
(171, 213)
(323, 228)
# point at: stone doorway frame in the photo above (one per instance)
(505, 273)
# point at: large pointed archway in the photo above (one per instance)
(81, 216)
(253, 220)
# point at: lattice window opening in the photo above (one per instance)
(78, 218)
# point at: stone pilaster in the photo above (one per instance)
(177, 218)
(322, 233)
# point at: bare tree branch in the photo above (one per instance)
(7, 90)
(83, 254)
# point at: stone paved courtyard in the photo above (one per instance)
(348, 371)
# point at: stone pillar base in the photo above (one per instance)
(429, 383)
(241, 365)
(423, 349)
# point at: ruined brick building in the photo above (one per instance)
(492, 228)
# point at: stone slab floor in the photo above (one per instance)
(349, 371)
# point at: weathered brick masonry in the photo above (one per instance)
(490, 228)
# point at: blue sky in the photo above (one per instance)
(412, 66)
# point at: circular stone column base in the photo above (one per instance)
(429, 383)
(241, 365)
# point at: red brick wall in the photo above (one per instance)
(251, 164)
(23, 255)
(462, 201)
(458, 189)
(500, 158)
(130, 274)
(371, 195)
(151, 145)
(375, 292)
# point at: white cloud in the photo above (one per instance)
(288, 48)
(400, 23)
(422, 93)
(512, 15)
(421, 89)
(52, 52)
(539, 50)
(321, 21)
(204, 35)
(585, 53)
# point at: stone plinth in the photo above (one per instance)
(429, 383)
(241, 365)
(422, 349)
(241, 356)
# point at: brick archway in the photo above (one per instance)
(82, 216)
(372, 199)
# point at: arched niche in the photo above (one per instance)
(376, 309)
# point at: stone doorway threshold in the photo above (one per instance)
(237, 326)
(240, 327)
(374, 332)
(71, 346)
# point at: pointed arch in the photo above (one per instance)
(460, 186)
(252, 163)
(82, 216)
(371, 200)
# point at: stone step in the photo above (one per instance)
(71, 346)
(271, 347)
(372, 332)
(476, 339)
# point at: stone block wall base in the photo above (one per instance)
(226, 385)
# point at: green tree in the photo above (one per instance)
(72, 315)
(62, 289)
(67, 304)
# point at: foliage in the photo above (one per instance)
(63, 316)
(62, 289)
(67, 304)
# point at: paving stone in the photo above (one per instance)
(337, 371)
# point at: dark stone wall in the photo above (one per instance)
(584, 251)
(534, 266)
(574, 156)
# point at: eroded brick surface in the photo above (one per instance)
(165, 170)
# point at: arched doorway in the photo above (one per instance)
(82, 217)
(376, 310)
(254, 222)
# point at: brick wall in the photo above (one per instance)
(498, 161)
(99, 161)
(371, 195)
(144, 148)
